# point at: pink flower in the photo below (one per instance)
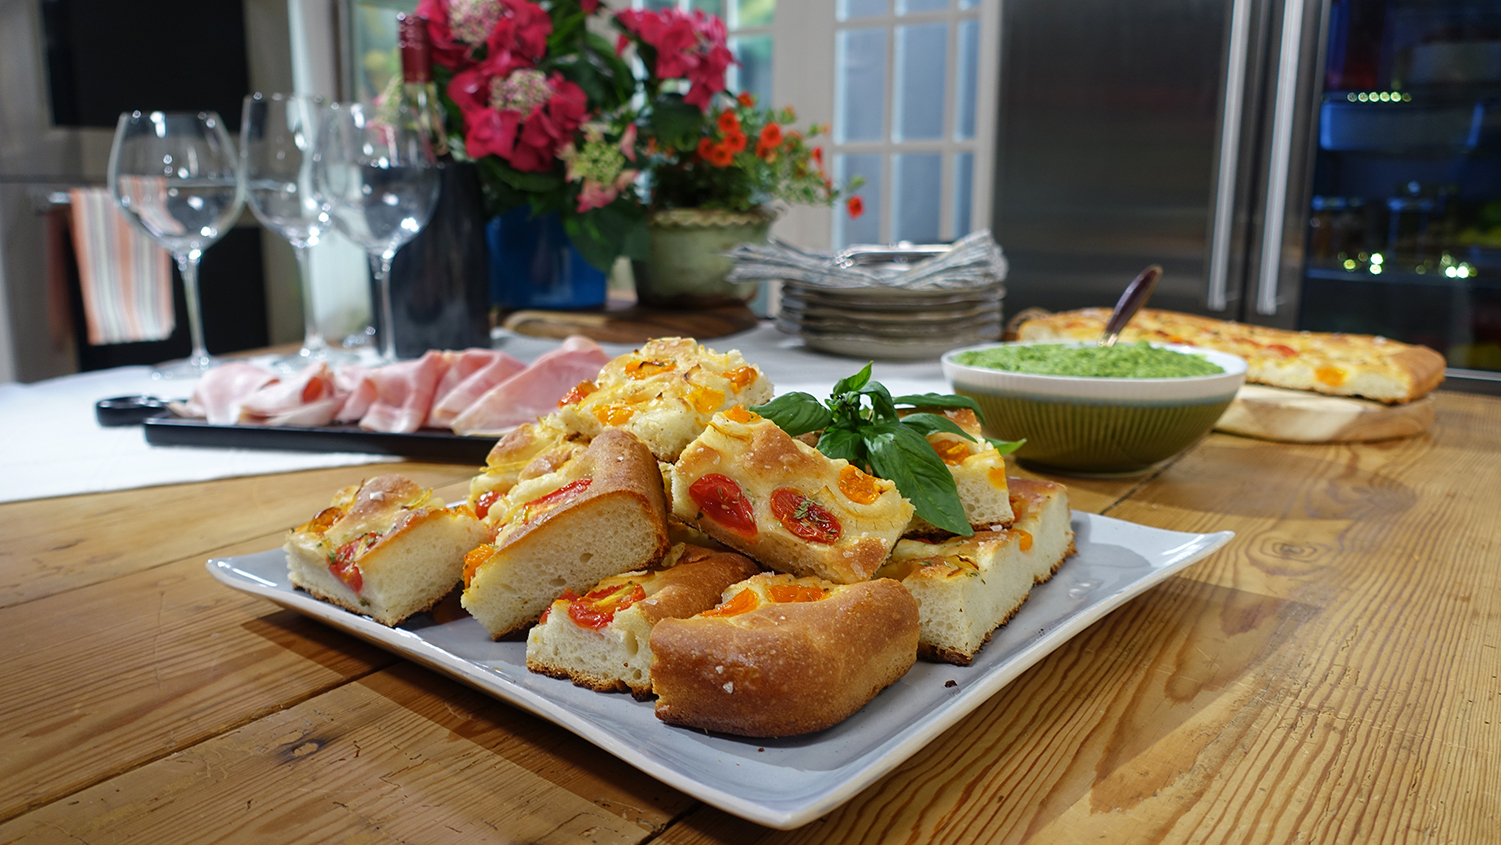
(598, 195)
(688, 46)
(457, 27)
(514, 111)
(628, 142)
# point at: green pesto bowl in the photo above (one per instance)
(1085, 425)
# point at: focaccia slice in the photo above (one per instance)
(528, 451)
(783, 656)
(967, 587)
(386, 548)
(600, 514)
(748, 485)
(664, 393)
(1334, 363)
(601, 640)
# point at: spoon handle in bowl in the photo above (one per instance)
(1130, 302)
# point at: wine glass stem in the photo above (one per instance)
(381, 266)
(187, 265)
(312, 337)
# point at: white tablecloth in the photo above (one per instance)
(51, 444)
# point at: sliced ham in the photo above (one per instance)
(403, 393)
(470, 386)
(219, 392)
(358, 390)
(534, 391)
(307, 398)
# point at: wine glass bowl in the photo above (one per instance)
(176, 176)
(377, 171)
(277, 137)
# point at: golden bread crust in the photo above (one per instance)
(785, 668)
(1333, 363)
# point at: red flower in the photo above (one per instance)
(818, 157)
(690, 47)
(457, 27)
(746, 100)
(855, 206)
(771, 136)
(705, 148)
(721, 156)
(728, 122)
(519, 115)
(735, 141)
(589, 6)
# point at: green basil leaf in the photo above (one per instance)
(1006, 447)
(902, 455)
(844, 443)
(884, 410)
(796, 413)
(853, 383)
(927, 424)
(940, 400)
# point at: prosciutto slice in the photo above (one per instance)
(403, 393)
(469, 386)
(308, 398)
(219, 392)
(534, 391)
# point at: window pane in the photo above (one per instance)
(749, 13)
(865, 229)
(919, 182)
(708, 7)
(968, 4)
(753, 75)
(967, 74)
(922, 59)
(659, 5)
(860, 93)
(907, 7)
(862, 8)
(964, 191)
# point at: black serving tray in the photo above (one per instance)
(428, 444)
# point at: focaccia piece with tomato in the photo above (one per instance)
(979, 472)
(600, 514)
(601, 640)
(749, 485)
(528, 451)
(783, 656)
(386, 548)
(967, 587)
(664, 393)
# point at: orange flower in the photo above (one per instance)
(855, 206)
(818, 157)
(728, 122)
(746, 99)
(771, 137)
(720, 155)
(705, 149)
(735, 141)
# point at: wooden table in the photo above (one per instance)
(1332, 675)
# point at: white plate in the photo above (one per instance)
(789, 782)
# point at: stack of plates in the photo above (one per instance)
(890, 323)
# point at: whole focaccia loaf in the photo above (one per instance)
(1336, 364)
(783, 656)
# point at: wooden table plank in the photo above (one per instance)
(400, 756)
(53, 545)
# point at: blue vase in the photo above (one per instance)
(534, 265)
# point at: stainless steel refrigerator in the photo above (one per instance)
(1268, 154)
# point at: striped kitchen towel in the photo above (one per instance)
(126, 278)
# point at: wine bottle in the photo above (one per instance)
(440, 282)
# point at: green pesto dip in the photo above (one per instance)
(1123, 360)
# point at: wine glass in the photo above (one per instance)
(177, 177)
(277, 134)
(376, 169)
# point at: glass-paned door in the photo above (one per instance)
(748, 24)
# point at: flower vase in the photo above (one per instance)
(687, 266)
(533, 264)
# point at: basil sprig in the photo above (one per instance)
(875, 438)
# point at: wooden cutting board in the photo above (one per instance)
(1297, 416)
(630, 323)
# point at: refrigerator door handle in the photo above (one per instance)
(1229, 159)
(1280, 158)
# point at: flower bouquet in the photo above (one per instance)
(562, 119)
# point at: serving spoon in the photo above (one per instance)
(1130, 302)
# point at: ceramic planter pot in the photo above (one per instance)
(687, 267)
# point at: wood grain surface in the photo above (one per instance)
(1331, 675)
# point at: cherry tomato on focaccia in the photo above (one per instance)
(597, 609)
(722, 500)
(805, 518)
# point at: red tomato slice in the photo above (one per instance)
(485, 501)
(542, 504)
(804, 517)
(598, 609)
(722, 500)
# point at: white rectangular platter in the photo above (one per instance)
(788, 782)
